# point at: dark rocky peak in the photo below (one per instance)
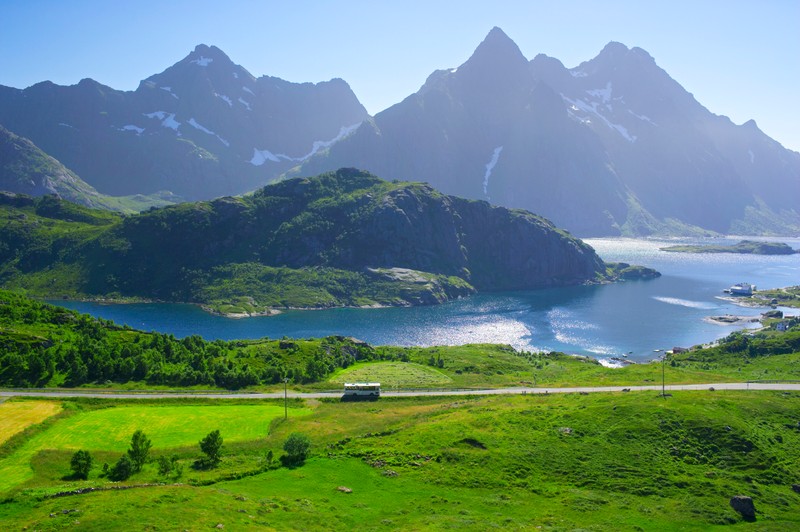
(497, 55)
(614, 57)
(204, 56)
(751, 125)
(204, 62)
(549, 69)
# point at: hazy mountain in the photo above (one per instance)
(203, 128)
(25, 169)
(611, 146)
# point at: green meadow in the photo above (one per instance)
(621, 461)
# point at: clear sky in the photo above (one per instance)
(739, 58)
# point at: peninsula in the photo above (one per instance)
(748, 247)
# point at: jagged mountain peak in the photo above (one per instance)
(204, 61)
(204, 55)
(496, 50)
(615, 55)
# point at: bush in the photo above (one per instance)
(139, 451)
(81, 464)
(211, 445)
(297, 447)
(168, 465)
(122, 470)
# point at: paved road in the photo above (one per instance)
(408, 393)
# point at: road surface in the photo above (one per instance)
(401, 393)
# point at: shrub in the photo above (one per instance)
(139, 451)
(297, 447)
(81, 464)
(211, 445)
(122, 470)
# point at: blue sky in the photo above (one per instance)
(739, 58)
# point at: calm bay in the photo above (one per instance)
(634, 318)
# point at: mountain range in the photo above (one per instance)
(203, 128)
(613, 146)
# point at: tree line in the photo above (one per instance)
(43, 344)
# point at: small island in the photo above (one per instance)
(748, 247)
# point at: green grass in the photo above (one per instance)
(618, 461)
(391, 374)
(110, 430)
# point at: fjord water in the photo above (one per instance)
(634, 318)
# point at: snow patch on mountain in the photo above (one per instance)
(62, 124)
(642, 118)
(131, 127)
(752, 156)
(246, 104)
(489, 167)
(344, 131)
(169, 90)
(603, 94)
(248, 90)
(262, 156)
(167, 119)
(235, 75)
(203, 61)
(578, 74)
(224, 98)
(192, 122)
(582, 106)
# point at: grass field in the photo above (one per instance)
(17, 416)
(391, 374)
(621, 461)
(110, 430)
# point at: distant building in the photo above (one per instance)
(679, 350)
(783, 326)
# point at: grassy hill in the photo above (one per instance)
(345, 238)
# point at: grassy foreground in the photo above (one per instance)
(625, 461)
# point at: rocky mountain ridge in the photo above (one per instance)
(612, 146)
(203, 128)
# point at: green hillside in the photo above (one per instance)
(345, 238)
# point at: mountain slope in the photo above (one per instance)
(203, 128)
(612, 146)
(25, 169)
(342, 238)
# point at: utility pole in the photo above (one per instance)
(663, 376)
(285, 399)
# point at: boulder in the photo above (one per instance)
(744, 505)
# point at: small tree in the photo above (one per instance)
(81, 464)
(297, 447)
(211, 445)
(169, 465)
(140, 449)
(122, 470)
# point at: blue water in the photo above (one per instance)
(602, 321)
